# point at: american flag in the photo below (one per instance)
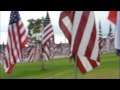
(110, 39)
(114, 17)
(33, 50)
(48, 39)
(17, 38)
(80, 29)
(111, 34)
(107, 47)
(30, 50)
(100, 37)
(36, 52)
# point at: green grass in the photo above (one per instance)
(64, 69)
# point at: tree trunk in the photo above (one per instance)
(42, 63)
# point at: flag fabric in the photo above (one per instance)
(23, 52)
(37, 52)
(66, 21)
(111, 34)
(80, 30)
(31, 53)
(107, 47)
(17, 38)
(114, 17)
(110, 40)
(69, 53)
(30, 49)
(34, 50)
(47, 39)
(100, 40)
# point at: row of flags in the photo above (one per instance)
(110, 40)
(106, 45)
(79, 28)
(63, 49)
(18, 38)
(32, 52)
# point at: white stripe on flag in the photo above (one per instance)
(48, 26)
(22, 30)
(48, 31)
(11, 46)
(7, 57)
(85, 62)
(48, 37)
(20, 22)
(67, 23)
(94, 54)
(86, 35)
(76, 22)
(17, 41)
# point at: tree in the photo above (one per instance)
(34, 30)
(35, 25)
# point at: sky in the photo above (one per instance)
(54, 16)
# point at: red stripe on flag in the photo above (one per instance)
(85, 27)
(63, 27)
(80, 65)
(47, 29)
(48, 35)
(113, 16)
(10, 69)
(14, 45)
(80, 31)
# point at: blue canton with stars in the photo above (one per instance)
(14, 17)
(47, 20)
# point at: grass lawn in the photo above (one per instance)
(64, 69)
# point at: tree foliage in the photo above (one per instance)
(34, 27)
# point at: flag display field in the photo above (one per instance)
(64, 69)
